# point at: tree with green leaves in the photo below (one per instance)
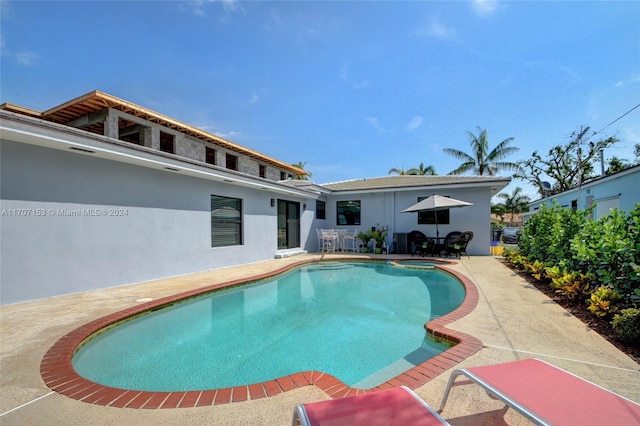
(481, 161)
(615, 165)
(565, 165)
(515, 203)
(422, 170)
(398, 171)
(306, 175)
(498, 210)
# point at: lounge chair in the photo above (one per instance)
(548, 395)
(395, 406)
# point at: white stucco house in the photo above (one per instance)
(100, 192)
(620, 190)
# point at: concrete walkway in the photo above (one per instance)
(512, 319)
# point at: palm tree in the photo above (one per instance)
(481, 161)
(306, 174)
(398, 171)
(515, 203)
(498, 210)
(422, 170)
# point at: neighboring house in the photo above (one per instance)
(617, 191)
(100, 192)
(508, 219)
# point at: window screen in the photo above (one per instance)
(226, 221)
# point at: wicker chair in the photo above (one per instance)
(458, 245)
(415, 241)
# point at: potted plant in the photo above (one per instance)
(380, 237)
(365, 237)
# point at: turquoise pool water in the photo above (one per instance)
(416, 263)
(361, 322)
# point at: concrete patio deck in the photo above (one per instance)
(512, 319)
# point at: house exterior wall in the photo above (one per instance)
(161, 224)
(474, 218)
(384, 209)
(616, 191)
(82, 211)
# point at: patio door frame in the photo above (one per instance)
(288, 227)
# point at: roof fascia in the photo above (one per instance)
(496, 186)
(590, 183)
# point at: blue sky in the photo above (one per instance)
(351, 88)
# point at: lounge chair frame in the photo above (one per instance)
(491, 391)
(551, 379)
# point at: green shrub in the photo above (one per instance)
(626, 325)
(602, 301)
(573, 285)
(548, 234)
(514, 257)
(608, 248)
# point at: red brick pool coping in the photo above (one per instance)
(59, 375)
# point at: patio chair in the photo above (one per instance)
(319, 233)
(451, 236)
(548, 395)
(330, 239)
(351, 241)
(428, 247)
(395, 406)
(415, 239)
(458, 245)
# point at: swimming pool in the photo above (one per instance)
(417, 264)
(363, 330)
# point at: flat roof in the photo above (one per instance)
(497, 183)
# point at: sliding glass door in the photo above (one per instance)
(288, 224)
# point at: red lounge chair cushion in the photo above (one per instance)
(395, 406)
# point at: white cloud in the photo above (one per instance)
(374, 122)
(197, 7)
(254, 99)
(345, 75)
(415, 122)
(435, 28)
(362, 84)
(635, 78)
(231, 6)
(26, 57)
(228, 6)
(484, 7)
(231, 135)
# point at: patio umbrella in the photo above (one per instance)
(435, 203)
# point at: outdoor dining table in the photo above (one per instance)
(439, 246)
(339, 238)
(341, 233)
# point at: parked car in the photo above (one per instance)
(511, 235)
